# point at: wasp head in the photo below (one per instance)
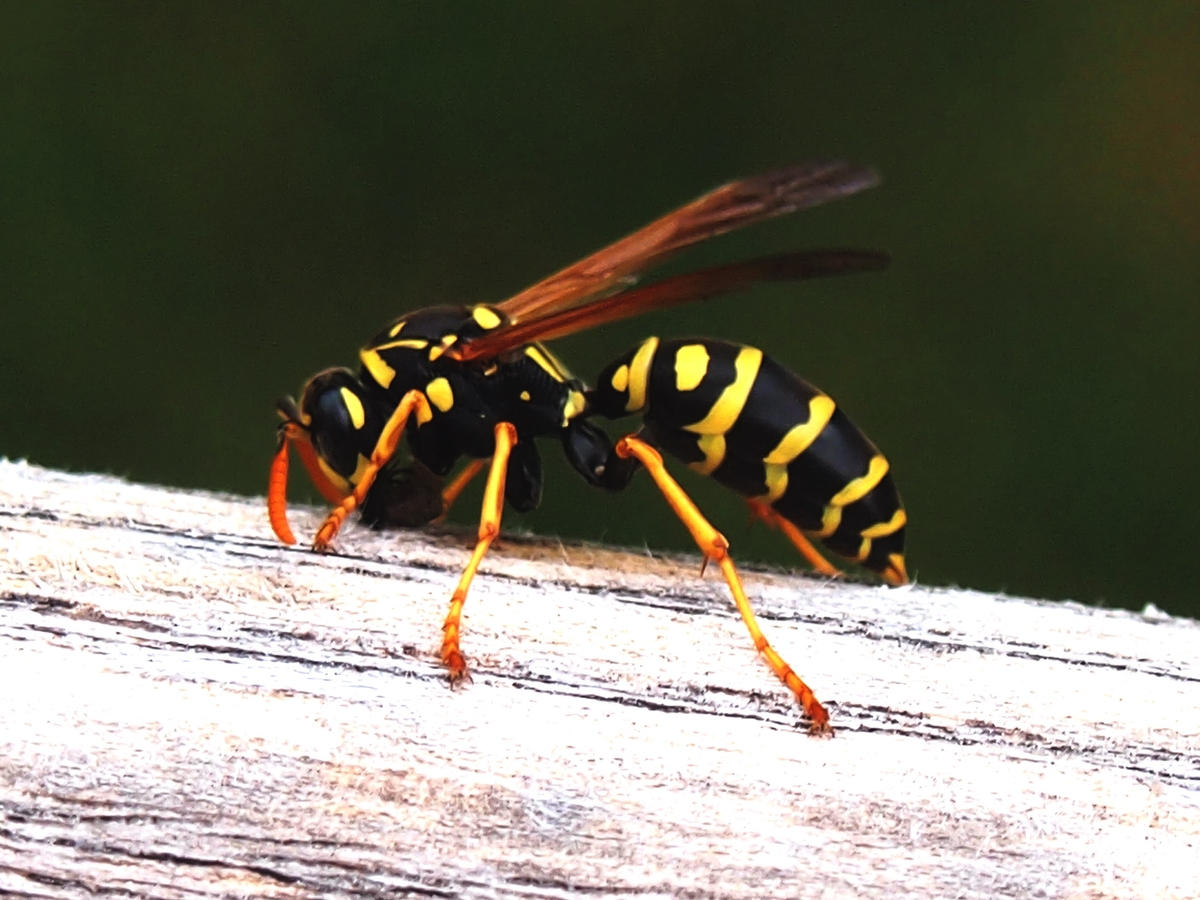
(334, 428)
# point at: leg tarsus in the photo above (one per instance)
(489, 528)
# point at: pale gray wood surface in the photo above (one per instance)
(188, 709)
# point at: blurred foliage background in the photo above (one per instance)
(203, 204)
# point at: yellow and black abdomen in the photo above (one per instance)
(731, 412)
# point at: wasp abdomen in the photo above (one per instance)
(731, 412)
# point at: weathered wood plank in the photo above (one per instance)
(188, 709)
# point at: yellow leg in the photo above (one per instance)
(763, 511)
(451, 492)
(385, 449)
(489, 527)
(714, 546)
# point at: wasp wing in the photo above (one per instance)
(670, 292)
(734, 205)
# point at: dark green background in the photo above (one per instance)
(202, 204)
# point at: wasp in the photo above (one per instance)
(477, 382)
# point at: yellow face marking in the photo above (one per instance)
(713, 448)
(524, 395)
(860, 487)
(360, 469)
(380, 371)
(576, 404)
(729, 405)
(484, 317)
(691, 365)
(883, 529)
(639, 374)
(545, 362)
(796, 441)
(440, 395)
(353, 406)
(777, 482)
(397, 328)
(334, 478)
(830, 520)
(410, 343)
(620, 379)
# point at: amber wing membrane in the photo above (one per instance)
(732, 206)
(671, 292)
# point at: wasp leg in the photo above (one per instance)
(291, 434)
(277, 490)
(765, 513)
(714, 546)
(489, 527)
(452, 491)
(385, 449)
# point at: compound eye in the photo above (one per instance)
(335, 428)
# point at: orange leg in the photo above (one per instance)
(451, 492)
(895, 574)
(714, 546)
(489, 527)
(764, 512)
(385, 449)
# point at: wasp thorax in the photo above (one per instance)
(341, 421)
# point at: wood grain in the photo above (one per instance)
(188, 709)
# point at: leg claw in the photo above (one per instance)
(457, 664)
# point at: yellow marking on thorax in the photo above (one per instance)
(438, 349)
(440, 394)
(380, 371)
(864, 550)
(713, 448)
(860, 487)
(798, 438)
(620, 379)
(484, 317)
(639, 374)
(409, 343)
(524, 395)
(883, 529)
(729, 405)
(575, 405)
(691, 365)
(353, 406)
(397, 328)
(541, 356)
